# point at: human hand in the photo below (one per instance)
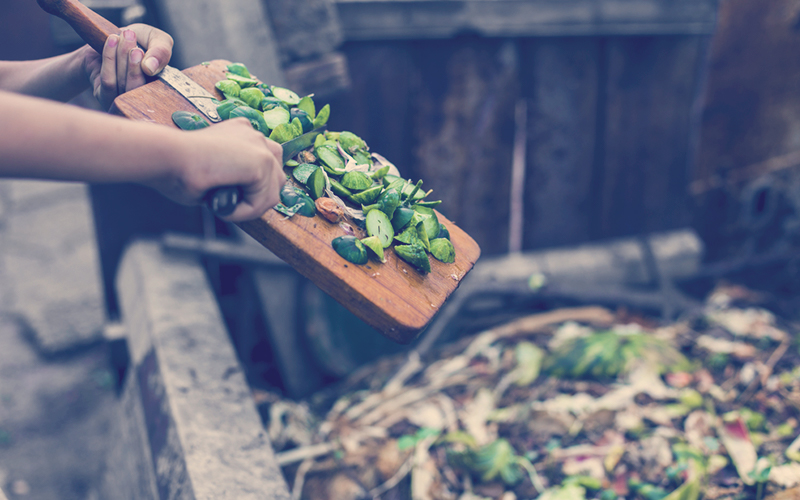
(123, 65)
(230, 153)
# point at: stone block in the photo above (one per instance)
(50, 263)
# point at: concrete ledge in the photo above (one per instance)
(185, 390)
(50, 261)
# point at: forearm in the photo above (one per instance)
(42, 139)
(59, 78)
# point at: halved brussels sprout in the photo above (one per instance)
(252, 97)
(255, 117)
(415, 255)
(291, 196)
(351, 249)
(366, 196)
(186, 120)
(307, 105)
(282, 133)
(239, 69)
(356, 181)
(229, 88)
(316, 183)
(275, 117)
(443, 250)
(303, 171)
(285, 95)
(322, 116)
(373, 243)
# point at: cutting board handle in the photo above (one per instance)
(90, 26)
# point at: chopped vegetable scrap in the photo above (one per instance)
(339, 167)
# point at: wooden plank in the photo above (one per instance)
(560, 82)
(463, 125)
(443, 110)
(204, 435)
(323, 76)
(392, 297)
(379, 103)
(304, 29)
(651, 86)
(749, 131)
(387, 19)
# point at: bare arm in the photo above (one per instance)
(42, 139)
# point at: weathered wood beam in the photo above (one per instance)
(393, 19)
(186, 389)
(205, 30)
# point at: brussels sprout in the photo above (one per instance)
(402, 216)
(297, 126)
(225, 107)
(431, 223)
(291, 196)
(415, 255)
(363, 158)
(316, 183)
(242, 81)
(307, 104)
(379, 225)
(330, 160)
(229, 88)
(338, 189)
(252, 97)
(443, 250)
(263, 87)
(379, 174)
(351, 142)
(367, 196)
(423, 236)
(390, 178)
(285, 95)
(301, 115)
(351, 249)
(239, 69)
(319, 141)
(356, 181)
(443, 232)
(303, 171)
(395, 183)
(282, 133)
(409, 235)
(388, 201)
(322, 117)
(373, 243)
(268, 103)
(275, 117)
(186, 120)
(255, 117)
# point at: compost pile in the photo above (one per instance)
(577, 403)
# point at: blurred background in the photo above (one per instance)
(623, 152)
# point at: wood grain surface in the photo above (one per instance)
(393, 297)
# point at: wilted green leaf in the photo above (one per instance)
(609, 354)
(490, 461)
(529, 363)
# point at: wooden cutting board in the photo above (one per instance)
(393, 297)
